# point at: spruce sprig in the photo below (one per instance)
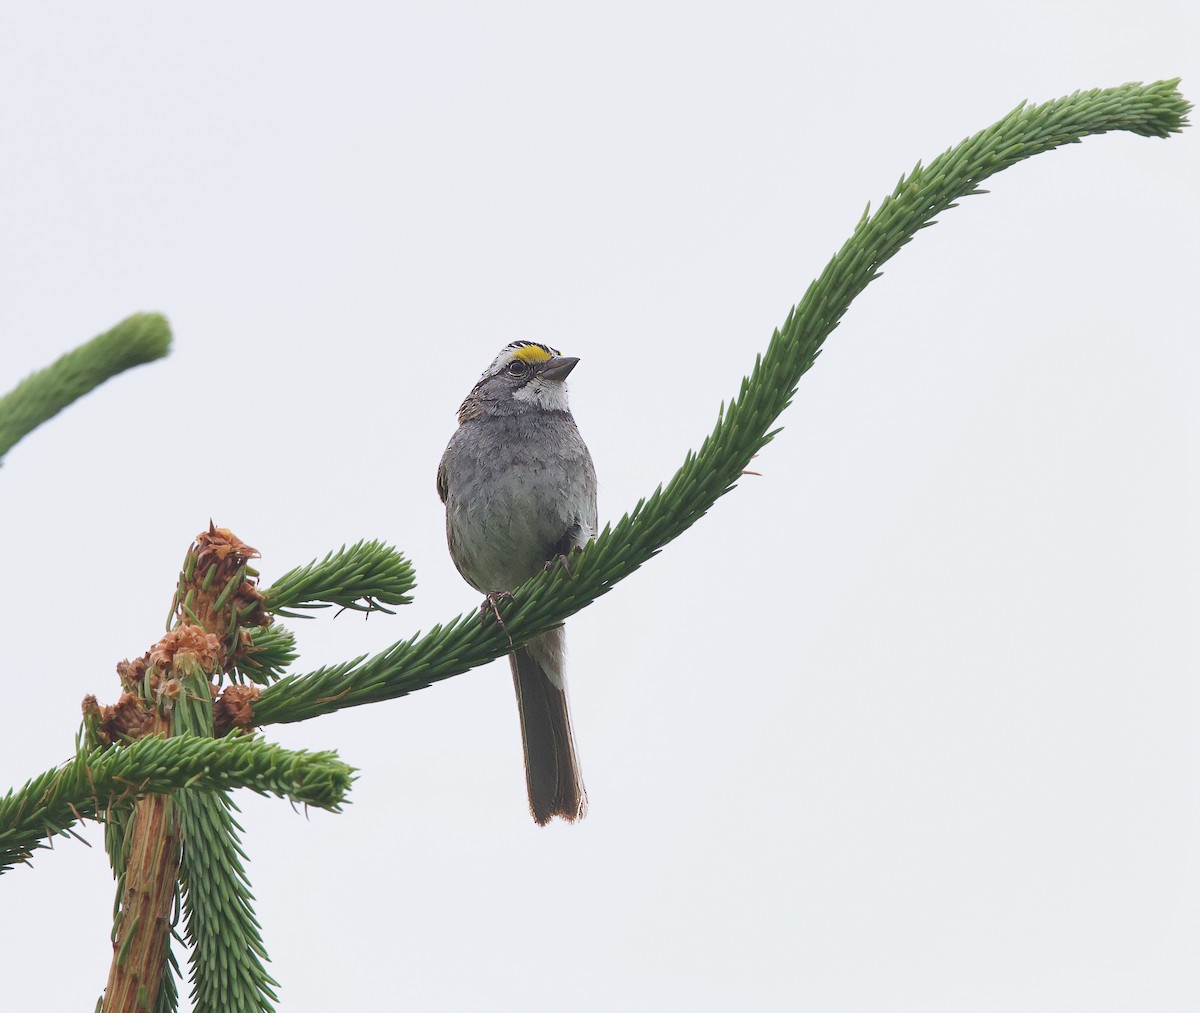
(365, 577)
(87, 787)
(138, 339)
(227, 951)
(268, 652)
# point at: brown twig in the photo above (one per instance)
(140, 935)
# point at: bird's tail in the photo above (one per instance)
(551, 768)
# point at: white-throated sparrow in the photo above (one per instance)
(520, 492)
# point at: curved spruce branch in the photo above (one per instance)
(88, 786)
(139, 339)
(1155, 110)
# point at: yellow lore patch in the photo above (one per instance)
(532, 354)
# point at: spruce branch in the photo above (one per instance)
(168, 990)
(364, 577)
(746, 425)
(139, 339)
(227, 951)
(265, 652)
(49, 805)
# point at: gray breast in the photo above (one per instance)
(515, 487)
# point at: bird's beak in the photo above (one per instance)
(558, 367)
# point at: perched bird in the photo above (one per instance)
(520, 494)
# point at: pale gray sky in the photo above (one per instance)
(907, 724)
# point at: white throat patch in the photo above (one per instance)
(549, 395)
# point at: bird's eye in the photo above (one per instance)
(517, 368)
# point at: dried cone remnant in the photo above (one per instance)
(128, 718)
(204, 647)
(215, 599)
(234, 708)
(133, 716)
(133, 673)
(218, 590)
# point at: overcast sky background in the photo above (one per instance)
(907, 724)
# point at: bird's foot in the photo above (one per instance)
(492, 604)
(559, 560)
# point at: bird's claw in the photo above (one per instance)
(492, 604)
(559, 560)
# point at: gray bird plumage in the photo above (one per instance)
(520, 491)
